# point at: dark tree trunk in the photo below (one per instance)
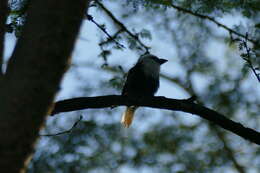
(33, 75)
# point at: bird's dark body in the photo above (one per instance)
(142, 81)
(139, 84)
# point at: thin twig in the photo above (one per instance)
(90, 18)
(114, 36)
(214, 21)
(67, 131)
(248, 57)
(123, 27)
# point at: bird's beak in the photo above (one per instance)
(162, 61)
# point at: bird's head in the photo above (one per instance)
(151, 59)
(151, 64)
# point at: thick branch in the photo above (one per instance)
(160, 103)
(34, 72)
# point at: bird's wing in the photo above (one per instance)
(131, 77)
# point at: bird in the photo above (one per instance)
(142, 81)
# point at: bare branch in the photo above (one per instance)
(90, 18)
(67, 131)
(123, 27)
(113, 37)
(160, 103)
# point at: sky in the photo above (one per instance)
(86, 53)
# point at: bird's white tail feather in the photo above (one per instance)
(128, 116)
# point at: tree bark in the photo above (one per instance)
(34, 72)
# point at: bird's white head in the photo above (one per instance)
(151, 64)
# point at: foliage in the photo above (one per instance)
(17, 16)
(176, 142)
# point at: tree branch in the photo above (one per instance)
(90, 18)
(65, 132)
(160, 103)
(123, 27)
(247, 57)
(231, 31)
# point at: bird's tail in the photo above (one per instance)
(128, 116)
